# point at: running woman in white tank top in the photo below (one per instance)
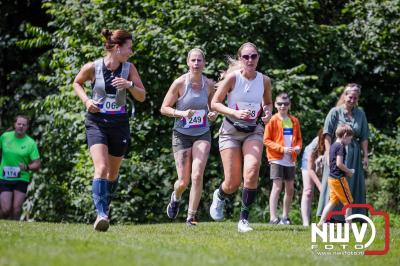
(241, 139)
(188, 100)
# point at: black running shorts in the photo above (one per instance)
(9, 185)
(108, 130)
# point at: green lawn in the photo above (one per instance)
(24, 243)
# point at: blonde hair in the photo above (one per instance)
(195, 50)
(234, 64)
(342, 130)
(350, 87)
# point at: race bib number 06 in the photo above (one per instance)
(110, 106)
(198, 119)
(11, 171)
(254, 108)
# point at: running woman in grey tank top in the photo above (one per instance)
(249, 95)
(107, 125)
(191, 94)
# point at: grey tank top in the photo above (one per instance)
(99, 91)
(196, 100)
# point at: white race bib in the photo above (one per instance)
(198, 119)
(11, 171)
(254, 108)
(109, 106)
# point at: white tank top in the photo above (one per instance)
(247, 94)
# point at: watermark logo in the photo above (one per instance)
(334, 238)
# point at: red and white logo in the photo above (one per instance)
(336, 236)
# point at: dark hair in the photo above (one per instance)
(115, 37)
(283, 95)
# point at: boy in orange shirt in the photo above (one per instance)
(282, 138)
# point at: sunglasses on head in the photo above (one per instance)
(283, 103)
(248, 56)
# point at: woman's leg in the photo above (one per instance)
(100, 186)
(306, 198)
(252, 152)
(183, 159)
(200, 151)
(183, 164)
(232, 163)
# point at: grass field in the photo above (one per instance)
(23, 243)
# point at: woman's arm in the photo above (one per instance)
(85, 74)
(267, 100)
(219, 97)
(136, 88)
(364, 147)
(170, 100)
(311, 172)
(211, 91)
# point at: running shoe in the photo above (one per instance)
(173, 207)
(101, 224)
(285, 221)
(244, 227)
(191, 222)
(217, 207)
(276, 221)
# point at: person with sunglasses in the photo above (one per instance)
(240, 136)
(191, 94)
(347, 112)
(107, 124)
(282, 138)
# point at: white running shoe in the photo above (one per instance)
(217, 207)
(244, 227)
(285, 221)
(101, 224)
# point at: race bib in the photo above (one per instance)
(254, 108)
(198, 119)
(11, 171)
(109, 106)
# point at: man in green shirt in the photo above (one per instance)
(19, 155)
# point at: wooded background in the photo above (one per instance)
(310, 49)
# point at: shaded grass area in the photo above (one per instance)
(23, 243)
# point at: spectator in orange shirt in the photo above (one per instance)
(282, 138)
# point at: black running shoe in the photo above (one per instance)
(191, 222)
(173, 207)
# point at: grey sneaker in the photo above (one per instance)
(244, 227)
(285, 221)
(276, 221)
(217, 207)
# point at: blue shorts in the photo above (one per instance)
(110, 130)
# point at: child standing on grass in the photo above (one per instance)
(282, 138)
(337, 182)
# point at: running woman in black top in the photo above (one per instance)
(107, 126)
